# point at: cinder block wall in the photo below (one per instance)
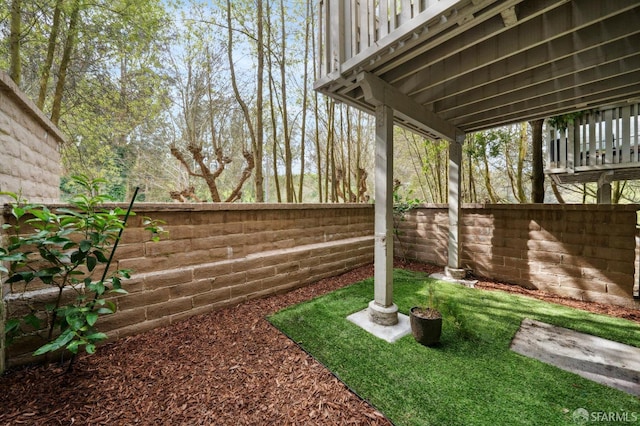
(581, 251)
(29, 143)
(217, 255)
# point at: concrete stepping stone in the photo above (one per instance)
(604, 361)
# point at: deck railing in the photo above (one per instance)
(349, 28)
(600, 139)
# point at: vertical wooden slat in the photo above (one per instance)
(351, 17)
(373, 22)
(571, 145)
(592, 139)
(576, 144)
(608, 136)
(636, 116)
(383, 27)
(554, 153)
(364, 24)
(336, 36)
(625, 117)
(405, 12)
(393, 19)
(323, 65)
(551, 154)
(582, 140)
(563, 148)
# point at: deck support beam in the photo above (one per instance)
(382, 310)
(391, 103)
(454, 268)
(378, 92)
(604, 188)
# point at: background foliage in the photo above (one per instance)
(213, 100)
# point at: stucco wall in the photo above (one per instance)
(29, 143)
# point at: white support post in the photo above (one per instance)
(604, 188)
(382, 310)
(453, 268)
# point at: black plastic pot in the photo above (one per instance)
(426, 326)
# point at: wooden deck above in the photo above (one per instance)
(602, 144)
(451, 66)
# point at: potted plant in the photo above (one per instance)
(426, 321)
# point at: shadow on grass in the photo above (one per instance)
(464, 381)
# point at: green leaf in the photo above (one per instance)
(97, 287)
(92, 318)
(48, 272)
(20, 276)
(58, 343)
(11, 325)
(15, 257)
(96, 337)
(73, 346)
(17, 212)
(33, 321)
(43, 215)
(90, 348)
(100, 256)
(91, 263)
(85, 246)
(105, 311)
(110, 305)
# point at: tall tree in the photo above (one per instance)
(308, 22)
(15, 62)
(537, 172)
(65, 62)
(256, 131)
(51, 50)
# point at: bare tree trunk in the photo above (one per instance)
(258, 136)
(15, 65)
(473, 193)
(256, 133)
(487, 178)
(51, 49)
(328, 156)
(69, 45)
(272, 108)
(246, 174)
(285, 114)
(305, 98)
(537, 181)
(557, 193)
(274, 131)
(522, 153)
(618, 190)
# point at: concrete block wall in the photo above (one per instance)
(217, 255)
(587, 252)
(29, 143)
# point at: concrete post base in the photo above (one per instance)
(456, 274)
(383, 315)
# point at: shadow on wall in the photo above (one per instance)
(587, 252)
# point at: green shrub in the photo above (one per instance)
(70, 250)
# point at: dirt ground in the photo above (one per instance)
(229, 367)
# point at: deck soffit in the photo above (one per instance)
(506, 61)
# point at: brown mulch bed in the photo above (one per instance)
(227, 367)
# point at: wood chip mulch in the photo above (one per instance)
(229, 367)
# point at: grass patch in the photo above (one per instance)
(468, 380)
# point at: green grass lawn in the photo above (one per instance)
(467, 380)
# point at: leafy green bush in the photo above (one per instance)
(70, 250)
